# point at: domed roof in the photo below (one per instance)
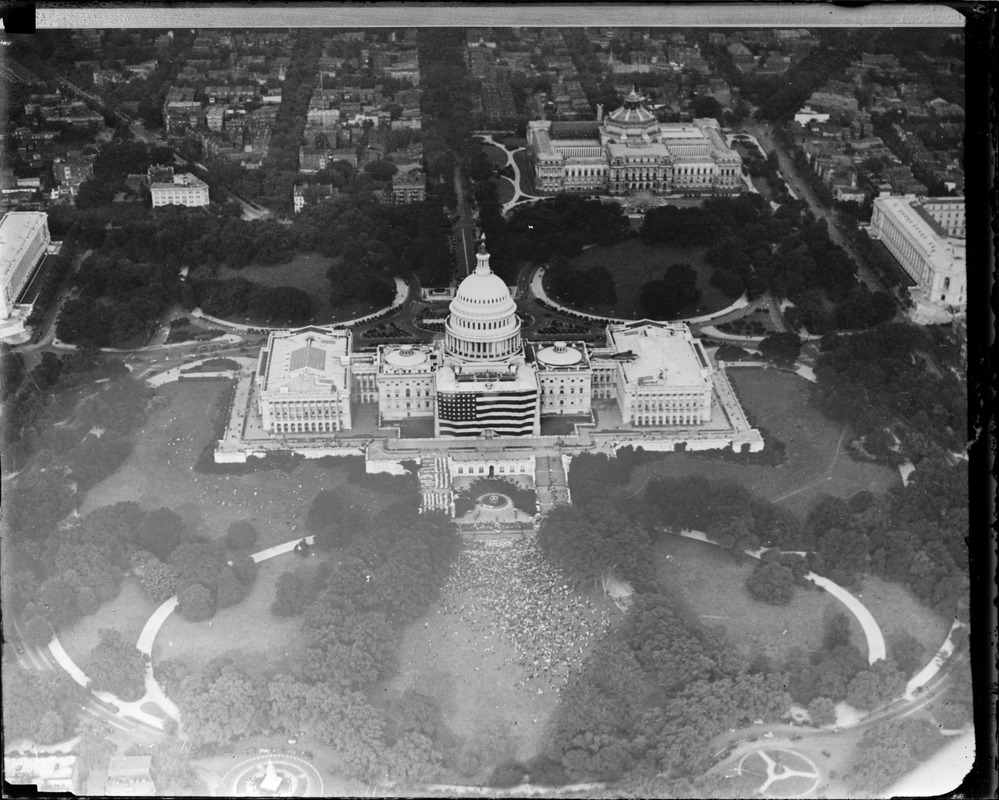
(483, 295)
(405, 356)
(632, 112)
(559, 355)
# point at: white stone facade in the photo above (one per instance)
(304, 382)
(185, 190)
(628, 151)
(24, 237)
(664, 377)
(926, 237)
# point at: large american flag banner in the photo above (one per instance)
(471, 413)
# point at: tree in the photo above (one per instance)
(219, 703)
(291, 597)
(507, 775)
(875, 686)
(117, 667)
(907, 652)
(772, 583)
(161, 532)
(822, 711)
(782, 348)
(664, 298)
(196, 602)
(241, 535)
(381, 170)
(158, 580)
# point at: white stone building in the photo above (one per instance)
(664, 377)
(482, 380)
(184, 190)
(24, 237)
(628, 151)
(304, 382)
(926, 237)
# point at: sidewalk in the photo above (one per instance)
(538, 289)
(876, 649)
(401, 293)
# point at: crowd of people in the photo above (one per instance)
(516, 592)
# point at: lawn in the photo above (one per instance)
(496, 155)
(306, 271)
(896, 610)
(160, 472)
(127, 613)
(713, 582)
(257, 640)
(816, 446)
(633, 262)
(504, 190)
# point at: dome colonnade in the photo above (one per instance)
(483, 324)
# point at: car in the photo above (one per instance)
(292, 740)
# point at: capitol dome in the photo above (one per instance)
(483, 324)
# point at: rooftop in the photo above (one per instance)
(307, 358)
(665, 354)
(17, 228)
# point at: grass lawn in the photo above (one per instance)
(713, 581)
(127, 613)
(896, 609)
(496, 155)
(816, 446)
(306, 271)
(160, 472)
(633, 263)
(504, 190)
(256, 640)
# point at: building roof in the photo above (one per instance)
(306, 360)
(17, 229)
(129, 767)
(483, 295)
(559, 354)
(517, 377)
(186, 180)
(946, 253)
(406, 358)
(665, 355)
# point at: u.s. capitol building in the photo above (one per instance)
(482, 380)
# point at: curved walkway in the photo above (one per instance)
(924, 676)
(401, 293)
(876, 649)
(152, 627)
(519, 195)
(154, 692)
(538, 289)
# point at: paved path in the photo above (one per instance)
(876, 649)
(538, 289)
(924, 676)
(154, 692)
(125, 709)
(519, 196)
(401, 293)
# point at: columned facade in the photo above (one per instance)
(483, 324)
(630, 151)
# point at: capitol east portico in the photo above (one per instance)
(481, 401)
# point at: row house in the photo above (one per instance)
(409, 186)
(304, 194)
